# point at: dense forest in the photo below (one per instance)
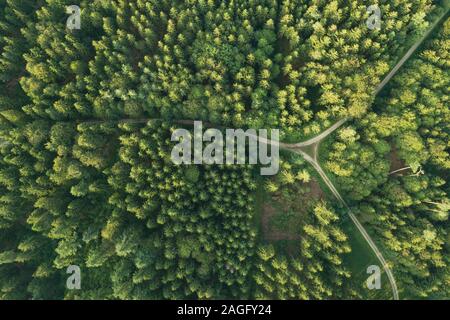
(86, 177)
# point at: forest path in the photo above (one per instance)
(410, 52)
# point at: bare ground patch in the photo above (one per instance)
(269, 231)
(281, 217)
(395, 161)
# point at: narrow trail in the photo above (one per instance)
(410, 52)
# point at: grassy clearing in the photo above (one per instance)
(279, 215)
(359, 260)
